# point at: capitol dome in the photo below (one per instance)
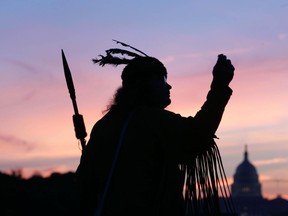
(246, 182)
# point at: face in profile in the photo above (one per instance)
(147, 76)
(159, 91)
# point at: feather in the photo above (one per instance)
(122, 52)
(109, 59)
(126, 45)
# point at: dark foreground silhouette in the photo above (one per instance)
(55, 195)
(141, 158)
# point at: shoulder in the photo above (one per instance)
(159, 118)
(155, 113)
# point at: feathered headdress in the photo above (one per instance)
(139, 66)
(112, 55)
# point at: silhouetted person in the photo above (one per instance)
(147, 178)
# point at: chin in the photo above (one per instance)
(167, 103)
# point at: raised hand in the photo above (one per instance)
(223, 72)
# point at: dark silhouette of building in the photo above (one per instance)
(246, 182)
(247, 194)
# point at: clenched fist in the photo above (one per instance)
(223, 72)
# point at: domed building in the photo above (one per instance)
(246, 181)
(247, 195)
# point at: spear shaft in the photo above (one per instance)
(78, 120)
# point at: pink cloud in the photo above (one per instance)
(8, 143)
(271, 161)
(282, 36)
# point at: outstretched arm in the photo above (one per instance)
(209, 117)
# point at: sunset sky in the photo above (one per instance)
(36, 130)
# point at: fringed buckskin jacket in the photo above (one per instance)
(147, 179)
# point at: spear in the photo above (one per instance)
(78, 120)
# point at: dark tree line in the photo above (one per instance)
(55, 195)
